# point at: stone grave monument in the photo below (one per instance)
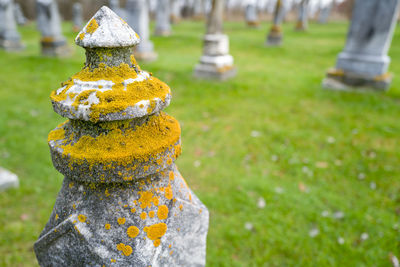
(199, 10)
(53, 43)
(163, 13)
(123, 201)
(176, 7)
(77, 16)
(8, 180)
(19, 15)
(364, 62)
(10, 39)
(302, 20)
(325, 12)
(216, 62)
(275, 35)
(138, 19)
(251, 14)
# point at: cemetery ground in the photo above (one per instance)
(292, 174)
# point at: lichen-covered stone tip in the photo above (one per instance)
(123, 201)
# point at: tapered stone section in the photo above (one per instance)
(123, 201)
(302, 19)
(251, 14)
(216, 62)
(9, 37)
(275, 34)
(364, 62)
(77, 17)
(138, 19)
(53, 43)
(163, 23)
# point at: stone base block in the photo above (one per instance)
(274, 39)
(210, 72)
(8, 180)
(52, 48)
(300, 27)
(341, 81)
(11, 45)
(253, 24)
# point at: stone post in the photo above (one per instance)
(199, 10)
(123, 201)
(163, 24)
(53, 42)
(9, 37)
(138, 19)
(175, 11)
(302, 21)
(325, 12)
(77, 16)
(275, 34)
(364, 61)
(216, 62)
(19, 15)
(251, 14)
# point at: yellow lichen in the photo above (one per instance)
(92, 26)
(151, 214)
(157, 242)
(155, 231)
(82, 35)
(143, 215)
(168, 192)
(133, 210)
(132, 231)
(162, 212)
(126, 249)
(81, 218)
(171, 176)
(107, 226)
(121, 221)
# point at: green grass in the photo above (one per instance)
(277, 93)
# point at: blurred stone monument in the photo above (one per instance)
(199, 10)
(216, 62)
(116, 7)
(251, 14)
(19, 15)
(123, 201)
(163, 14)
(176, 6)
(364, 61)
(53, 43)
(77, 16)
(138, 19)
(302, 20)
(275, 34)
(10, 39)
(325, 12)
(8, 180)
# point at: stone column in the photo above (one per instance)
(198, 10)
(364, 61)
(138, 19)
(9, 37)
(53, 43)
(275, 34)
(163, 24)
(175, 11)
(251, 14)
(77, 16)
(302, 20)
(123, 201)
(216, 62)
(325, 12)
(19, 15)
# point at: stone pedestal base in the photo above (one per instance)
(55, 48)
(253, 24)
(274, 37)
(11, 45)
(212, 72)
(345, 81)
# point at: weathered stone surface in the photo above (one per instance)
(8, 180)
(77, 16)
(53, 42)
(216, 62)
(138, 19)
(9, 36)
(364, 61)
(163, 13)
(19, 15)
(123, 201)
(275, 35)
(251, 14)
(302, 20)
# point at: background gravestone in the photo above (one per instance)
(9, 37)
(302, 20)
(19, 15)
(163, 14)
(123, 201)
(77, 16)
(251, 14)
(364, 61)
(275, 34)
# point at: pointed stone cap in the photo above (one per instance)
(106, 29)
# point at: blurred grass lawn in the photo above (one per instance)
(271, 133)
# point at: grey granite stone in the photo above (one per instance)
(216, 62)
(163, 13)
(9, 37)
(19, 15)
(77, 16)
(364, 61)
(302, 20)
(275, 34)
(325, 12)
(251, 14)
(123, 201)
(8, 180)
(138, 19)
(176, 8)
(53, 43)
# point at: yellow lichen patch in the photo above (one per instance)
(143, 215)
(81, 36)
(156, 201)
(152, 214)
(133, 210)
(56, 217)
(157, 242)
(107, 226)
(71, 185)
(168, 192)
(162, 212)
(107, 193)
(92, 26)
(124, 146)
(171, 176)
(126, 249)
(81, 218)
(155, 231)
(146, 199)
(57, 134)
(132, 231)
(180, 206)
(120, 246)
(121, 221)
(113, 260)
